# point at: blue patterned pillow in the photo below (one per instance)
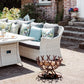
(49, 32)
(25, 28)
(26, 18)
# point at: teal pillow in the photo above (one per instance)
(36, 33)
(26, 18)
(49, 32)
(25, 28)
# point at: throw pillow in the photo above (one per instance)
(2, 25)
(8, 26)
(55, 26)
(14, 28)
(25, 28)
(39, 25)
(5, 25)
(49, 32)
(36, 33)
(26, 18)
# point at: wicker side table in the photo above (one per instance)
(9, 54)
(9, 48)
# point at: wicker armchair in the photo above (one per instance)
(51, 46)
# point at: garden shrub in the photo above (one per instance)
(12, 14)
(33, 11)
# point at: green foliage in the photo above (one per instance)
(11, 14)
(33, 11)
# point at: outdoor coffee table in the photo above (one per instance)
(9, 48)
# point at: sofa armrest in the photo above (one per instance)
(51, 46)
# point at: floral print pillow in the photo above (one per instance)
(49, 32)
(8, 27)
(25, 29)
(2, 25)
(15, 28)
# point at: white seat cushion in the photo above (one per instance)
(31, 44)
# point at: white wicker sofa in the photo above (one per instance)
(47, 46)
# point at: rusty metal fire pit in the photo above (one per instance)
(48, 67)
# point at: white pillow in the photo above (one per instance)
(15, 28)
(5, 25)
(8, 26)
(2, 25)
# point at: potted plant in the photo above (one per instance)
(74, 13)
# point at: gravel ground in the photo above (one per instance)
(72, 70)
